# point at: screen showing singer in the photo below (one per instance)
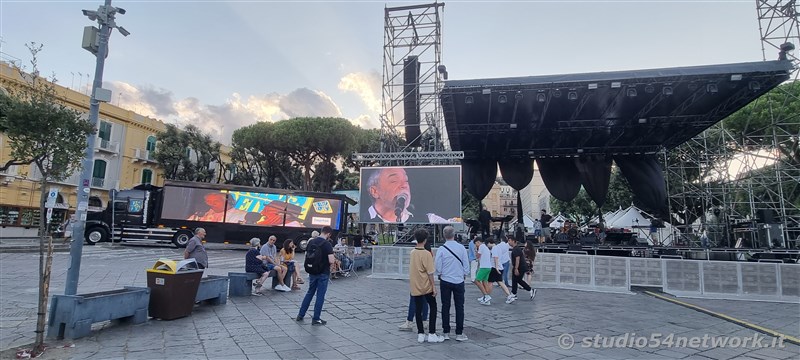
(386, 193)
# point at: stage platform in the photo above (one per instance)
(690, 253)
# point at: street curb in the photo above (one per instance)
(31, 249)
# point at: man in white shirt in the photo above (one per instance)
(504, 252)
(495, 276)
(484, 268)
(452, 266)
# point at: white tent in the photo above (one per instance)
(527, 220)
(630, 218)
(610, 217)
(558, 221)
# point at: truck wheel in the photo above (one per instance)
(96, 235)
(181, 238)
(301, 245)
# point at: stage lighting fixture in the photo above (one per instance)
(541, 97)
(513, 126)
(785, 49)
(572, 95)
(632, 92)
(755, 86)
(502, 99)
(469, 100)
(666, 90)
(580, 151)
(712, 88)
(518, 96)
(592, 86)
(557, 93)
(616, 84)
(643, 121)
(487, 91)
(649, 89)
(736, 77)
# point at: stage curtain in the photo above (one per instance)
(479, 176)
(561, 178)
(646, 179)
(595, 175)
(517, 173)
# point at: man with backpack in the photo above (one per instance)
(319, 257)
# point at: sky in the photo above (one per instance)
(222, 65)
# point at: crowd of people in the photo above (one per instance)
(485, 263)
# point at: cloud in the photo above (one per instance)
(220, 121)
(367, 85)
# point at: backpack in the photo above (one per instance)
(316, 260)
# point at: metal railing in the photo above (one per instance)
(98, 182)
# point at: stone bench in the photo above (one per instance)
(72, 316)
(213, 290)
(241, 284)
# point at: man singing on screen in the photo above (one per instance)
(391, 197)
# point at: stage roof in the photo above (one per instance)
(610, 113)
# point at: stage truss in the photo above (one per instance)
(734, 183)
(414, 30)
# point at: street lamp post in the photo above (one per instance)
(95, 41)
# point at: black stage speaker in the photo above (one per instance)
(619, 238)
(589, 240)
(411, 100)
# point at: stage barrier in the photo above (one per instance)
(685, 278)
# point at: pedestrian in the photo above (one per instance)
(519, 266)
(505, 258)
(318, 283)
(495, 275)
(357, 242)
(421, 270)
(452, 267)
(473, 260)
(530, 257)
(195, 249)
(484, 268)
(412, 307)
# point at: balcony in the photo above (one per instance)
(106, 146)
(143, 156)
(98, 182)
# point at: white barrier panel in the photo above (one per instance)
(645, 272)
(720, 278)
(790, 281)
(611, 272)
(391, 262)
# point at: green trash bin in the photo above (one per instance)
(173, 288)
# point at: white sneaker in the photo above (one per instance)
(486, 302)
(533, 293)
(446, 336)
(461, 337)
(482, 298)
(421, 338)
(510, 299)
(433, 338)
(515, 296)
(285, 288)
(488, 298)
(406, 326)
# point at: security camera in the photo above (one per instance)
(121, 10)
(123, 31)
(91, 14)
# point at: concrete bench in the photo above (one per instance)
(72, 316)
(213, 290)
(241, 284)
(362, 262)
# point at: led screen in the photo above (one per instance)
(411, 194)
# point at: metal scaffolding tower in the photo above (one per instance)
(746, 185)
(413, 32)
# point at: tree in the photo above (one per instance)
(257, 161)
(582, 209)
(187, 154)
(47, 134)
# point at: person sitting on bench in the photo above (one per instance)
(254, 263)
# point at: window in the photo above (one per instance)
(99, 171)
(120, 206)
(95, 201)
(105, 131)
(151, 143)
(9, 215)
(30, 217)
(147, 176)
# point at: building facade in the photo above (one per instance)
(123, 158)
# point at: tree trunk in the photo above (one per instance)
(45, 262)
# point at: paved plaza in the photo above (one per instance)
(363, 315)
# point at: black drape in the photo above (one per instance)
(560, 176)
(595, 175)
(646, 179)
(517, 173)
(479, 176)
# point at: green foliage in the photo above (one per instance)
(582, 208)
(42, 130)
(187, 154)
(469, 206)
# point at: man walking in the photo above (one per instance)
(452, 267)
(473, 260)
(318, 283)
(195, 249)
(504, 251)
(482, 276)
(519, 268)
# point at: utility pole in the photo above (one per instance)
(95, 41)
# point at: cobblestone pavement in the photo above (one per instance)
(363, 314)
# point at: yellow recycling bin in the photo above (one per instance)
(173, 287)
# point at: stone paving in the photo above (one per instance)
(363, 314)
